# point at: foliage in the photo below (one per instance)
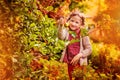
(43, 69)
(38, 32)
(84, 32)
(37, 36)
(82, 5)
(8, 43)
(54, 70)
(42, 36)
(107, 28)
(105, 58)
(88, 73)
(28, 34)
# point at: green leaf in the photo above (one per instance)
(84, 32)
(74, 40)
(72, 33)
(32, 25)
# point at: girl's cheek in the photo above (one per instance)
(70, 23)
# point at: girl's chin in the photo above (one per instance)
(72, 28)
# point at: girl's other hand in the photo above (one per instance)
(62, 21)
(76, 59)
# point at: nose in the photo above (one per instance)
(73, 24)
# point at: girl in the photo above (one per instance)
(75, 53)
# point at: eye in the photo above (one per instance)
(77, 22)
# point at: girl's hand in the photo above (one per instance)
(62, 21)
(76, 59)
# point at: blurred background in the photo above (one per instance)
(28, 31)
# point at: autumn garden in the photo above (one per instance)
(30, 48)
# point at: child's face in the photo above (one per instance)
(75, 22)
